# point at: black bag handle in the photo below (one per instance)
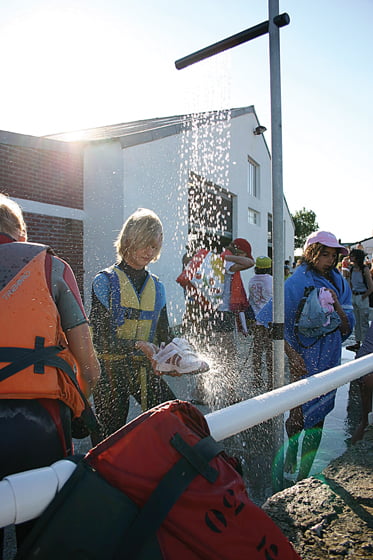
(195, 460)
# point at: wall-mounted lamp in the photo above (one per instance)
(259, 130)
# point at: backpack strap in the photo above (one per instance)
(365, 269)
(21, 358)
(40, 356)
(306, 293)
(195, 460)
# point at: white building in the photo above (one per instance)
(208, 176)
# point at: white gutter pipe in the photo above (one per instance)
(24, 496)
(241, 416)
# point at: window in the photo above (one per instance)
(253, 178)
(269, 234)
(269, 229)
(210, 207)
(253, 217)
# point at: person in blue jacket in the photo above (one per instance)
(310, 355)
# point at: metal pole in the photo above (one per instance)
(277, 199)
(272, 26)
(277, 236)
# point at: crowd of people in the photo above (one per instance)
(344, 279)
(51, 363)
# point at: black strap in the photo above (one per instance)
(41, 356)
(306, 293)
(21, 358)
(195, 460)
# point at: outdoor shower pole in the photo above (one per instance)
(271, 26)
(277, 198)
(252, 33)
(277, 237)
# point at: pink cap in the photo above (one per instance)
(325, 238)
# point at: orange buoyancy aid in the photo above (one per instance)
(29, 320)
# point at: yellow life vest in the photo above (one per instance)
(134, 316)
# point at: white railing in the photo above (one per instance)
(241, 416)
(24, 496)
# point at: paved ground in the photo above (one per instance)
(330, 517)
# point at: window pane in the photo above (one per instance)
(253, 178)
(253, 217)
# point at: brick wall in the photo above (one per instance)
(53, 177)
(49, 172)
(63, 235)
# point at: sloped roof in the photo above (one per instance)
(139, 132)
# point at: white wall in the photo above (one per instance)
(103, 204)
(288, 235)
(243, 144)
(153, 179)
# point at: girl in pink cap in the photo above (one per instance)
(310, 355)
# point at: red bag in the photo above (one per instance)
(213, 517)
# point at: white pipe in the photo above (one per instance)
(241, 416)
(25, 495)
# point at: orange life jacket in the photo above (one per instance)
(30, 327)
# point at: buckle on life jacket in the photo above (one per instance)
(132, 313)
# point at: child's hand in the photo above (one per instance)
(171, 373)
(150, 349)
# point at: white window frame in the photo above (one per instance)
(253, 217)
(253, 178)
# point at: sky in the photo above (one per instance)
(75, 64)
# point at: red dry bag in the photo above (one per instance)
(212, 517)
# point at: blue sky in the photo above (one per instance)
(68, 65)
